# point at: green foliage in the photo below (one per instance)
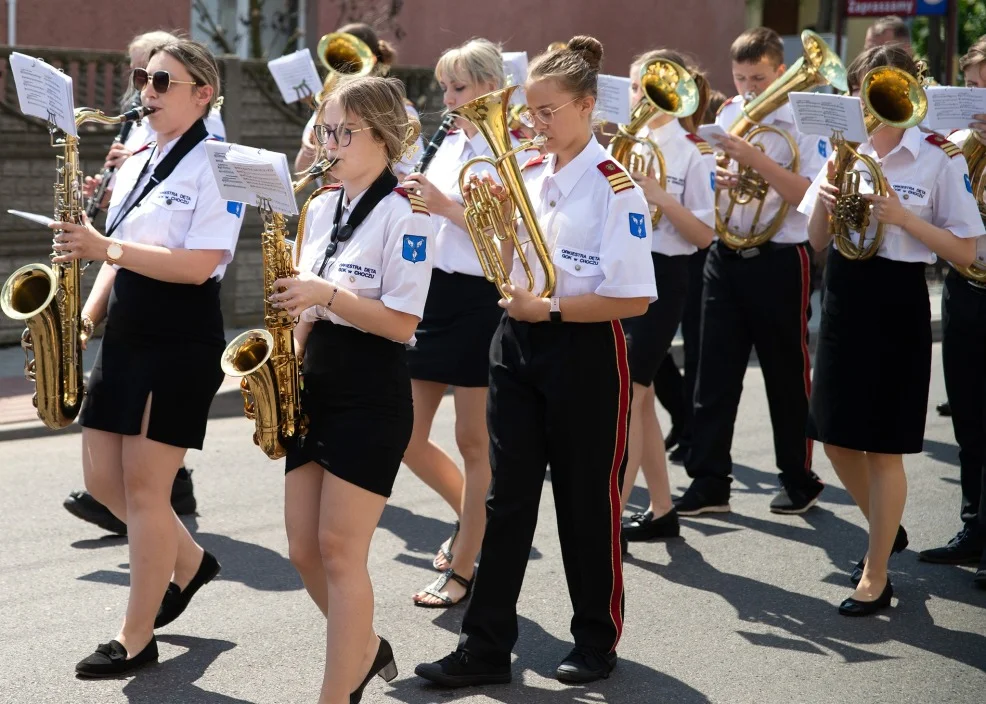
(971, 21)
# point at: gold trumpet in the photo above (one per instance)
(667, 87)
(484, 216)
(818, 66)
(890, 97)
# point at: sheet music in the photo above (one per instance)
(711, 133)
(252, 176)
(823, 114)
(296, 76)
(33, 217)
(515, 68)
(613, 99)
(952, 108)
(44, 91)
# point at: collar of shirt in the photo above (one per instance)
(782, 114)
(665, 133)
(347, 208)
(160, 151)
(910, 141)
(571, 172)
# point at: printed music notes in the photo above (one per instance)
(296, 76)
(613, 101)
(952, 108)
(44, 91)
(252, 176)
(826, 114)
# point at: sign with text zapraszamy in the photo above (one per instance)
(904, 8)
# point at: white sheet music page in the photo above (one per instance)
(44, 91)
(296, 76)
(252, 176)
(824, 114)
(613, 100)
(515, 68)
(952, 108)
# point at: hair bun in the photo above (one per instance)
(590, 48)
(385, 52)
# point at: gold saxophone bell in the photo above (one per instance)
(818, 66)
(667, 87)
(485, 222)
(890, 97)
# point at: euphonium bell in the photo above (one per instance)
(344, 55)
(890, 97)
(667, 87)
(484, 217)
(974, 151)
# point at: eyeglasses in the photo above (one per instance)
(544, 115)
(160, 80)
(343, 138)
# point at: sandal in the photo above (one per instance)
(436, 590)
(446, 549)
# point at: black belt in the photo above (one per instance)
(750, 252)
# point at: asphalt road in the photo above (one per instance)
(741, 609)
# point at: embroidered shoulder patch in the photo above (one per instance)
(949, 148)
(637, 226)
(416, 201)
(234, 208)
(703, 146)
(617, 177)
(415, 248)
(534, 161)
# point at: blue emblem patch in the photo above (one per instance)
(712, 180)
(823, 148)
(968, 183)
(637, 226)
(415, 248)
(234, 208)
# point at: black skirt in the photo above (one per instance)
(649, 336)
(165, 340)
(873, 362)
(453, 338)
(357, 395)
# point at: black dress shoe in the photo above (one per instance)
(182, 493)
(679, 454)
(585, 665)
(944, 409)
(672, 439)
(460, 669)
(383, 665)
(964, 549)
(82, 505)
(697, 501)
(643, 526)
(900, 545)
(176, 599)
(110, 660)
(856, 607)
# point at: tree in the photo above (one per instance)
(279, 27)
(971, 26)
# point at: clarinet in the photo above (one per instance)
(434, 144)
(93, 208)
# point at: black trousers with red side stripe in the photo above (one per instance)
(559, 395)
(760, 302)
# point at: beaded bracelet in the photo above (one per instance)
(335, 290)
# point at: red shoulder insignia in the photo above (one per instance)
(518, 135)
(329, 187)
(614, 173)
(734, 99)
(144, 148)
(952, 150)
(534, 161)
(703, 146)
(416, 201)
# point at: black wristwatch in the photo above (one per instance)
(554, 312)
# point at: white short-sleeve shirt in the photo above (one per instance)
(690, 167)
(142, 134)
(812, 152)
(958, 137)
(184, 211)
(929, 183)
(388, 258)
(597, 232)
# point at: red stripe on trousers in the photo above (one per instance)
(623, 369)
(805, 357)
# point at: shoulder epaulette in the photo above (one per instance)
(617, 177)
(728, 102)
(703, 146)
(416, 201)
(454, 130)
(518, 135)
(328, 187)
(533, 161)
(952, 150)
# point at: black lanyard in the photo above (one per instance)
(378, 190)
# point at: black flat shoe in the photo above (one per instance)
(176, 599)
(110, 660)
(383, 665)
(460, 669)
(81, 504)
(643, 526)
(856, 607)
(944, 409)
(585, 665)
(900, 545)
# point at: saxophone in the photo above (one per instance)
(264, 359)
(49, 299)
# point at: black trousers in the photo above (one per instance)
(964, 363)
(759, 302)
(559, 395)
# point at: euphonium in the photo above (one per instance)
(667, 88)
(484, 218)
(344, 54)
(974, 151)
(891, 97)
(819, 66)
(265, 359)
(49, 299)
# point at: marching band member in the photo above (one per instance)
(544, 406)
(964, 363)
(453, 340)
(688, 209)
(81, 504)
(385, 56)
(869, 415)
(757, 297)
(170, 238)
(365, 267)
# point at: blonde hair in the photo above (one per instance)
(575, 67)
(975, 55)
(197, 60)
(379, 101)
(691, 122)
(144, 44)
(476, 62)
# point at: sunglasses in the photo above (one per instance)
(160, 80)
(343, 136)
(544, 115)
